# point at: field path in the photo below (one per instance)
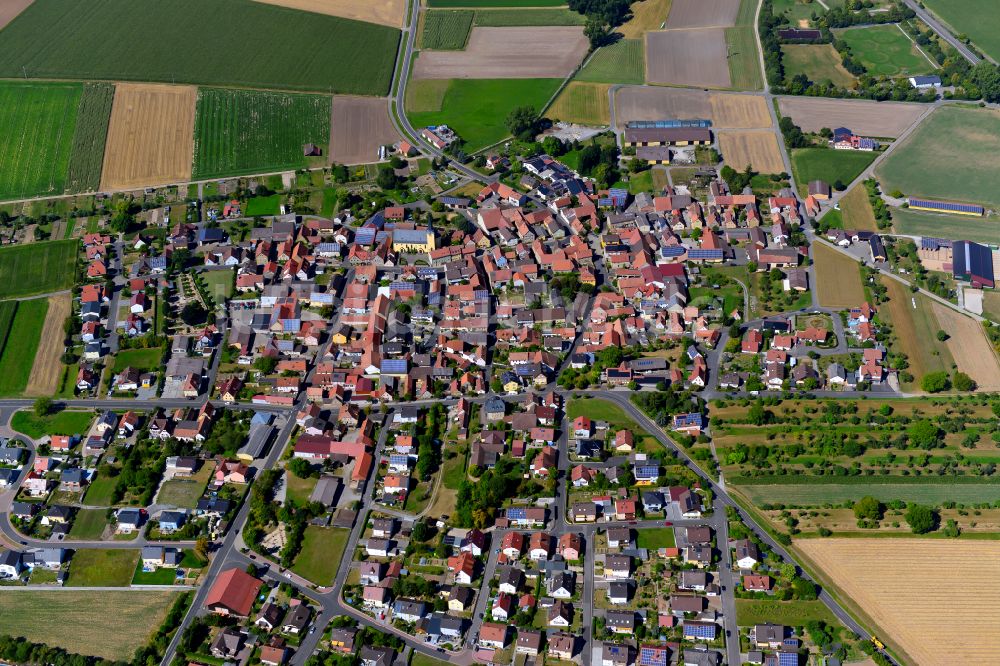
(46, 371)
(970, 348)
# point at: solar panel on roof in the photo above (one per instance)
(663, 124)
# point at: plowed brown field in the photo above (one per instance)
(358, 126)
(703, 13)
(384, 12)
(689, 57)
(150, 137)
(9, 9)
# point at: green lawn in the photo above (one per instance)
(161, 576)
(102, 568)
(976, 18)
(421, 659)
(602, 410)
(932, 491)
(247, 131)
(656, 537)
(886, 50)
(298, 489)
(89, 524)
(622, 62)
(322, 549)
(965, 145)
(100, 490)
(185, 492)
(270, 205)
(793, 613)
(957, 227)
(200, 41)
(829, 165)
(21, 345)
(477, 108)
(140, 359)
(454, 472)
(64, 422)
(819, 62)
(219, 284)
(36, 268)
(641, 182)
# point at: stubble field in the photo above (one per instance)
(383, 12)
(915, 330)
(837, 277)
(758, 149)
(881, 577)
(646, 15)
(585, 103)
(739, 111)
(507, 53)
(47, 368)
(150, 136)
(880, 119)
(687, 57)
(857, 210)
(969, 347)
(358, 126)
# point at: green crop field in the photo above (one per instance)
(477, 108)
(916, 223)
(36, 137)
(762, 611)
(495, 3)
(19, 350)
(500, 18)
(829, 165)
(886, 50)
(446, 29)
(7, 311)
(953, 155)
(933, 491)
(622, 62)
(87, 155)
(978, 19)
(744, 59)
(214, 42)
(819, 62)
(37, 268)
(84, 622)
(247, 131)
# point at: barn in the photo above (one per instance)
(973, 263)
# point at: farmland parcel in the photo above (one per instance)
(878, 575)
(80, 621)
(45, 373)
(37, 268)
(692, 57)
(199, 41)
(621, 62)
(965, 144)
(358, 126)
(702, 13)
(585, 103)
(915, 330)
(90, 137)
(958, 227)
(881, 119)
(383, 12)
(969, 347)
(838, 280)
(646, 15)
(21, 345)
(149, 137)
(976, 18)
(248, 131)
(758, 149)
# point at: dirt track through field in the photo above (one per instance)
(150, 137)
(358, 126)
(695, 58)
(970, 348)
(384, 12)
(9, 9)
(508, 53)
(939, 600)
(703, 13)
(756, 148)
(46, 373)
(882, 119)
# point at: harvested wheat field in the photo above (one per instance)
(358, 126)
(46, 373)
(646, 103)
(584, 103)
(150, 136)
(646, 15)
(857, 210)
(508, 53)
(739, 111)
(695, 58)
(758, 149)
(384, 12)
(959, 596)
(703, 13)
(882, 119)
(969, 347)
(837, 278)
(9, 9)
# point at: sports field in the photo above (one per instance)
(18, 354)
(819, 62)
(956, 227)
(828, 165)
(621, 62)
(36, 137)
(878, 576)
(584, 103)
(248, 131)
(37, 268)
(886, 50)
(87, 154)
(477, 108)
(837, 277)
(857, 210)
(199, 41)
(931, 491)
(965, 145)
(80, 621)
(976, 18)
(915, 330)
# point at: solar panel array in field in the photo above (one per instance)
(946, 206)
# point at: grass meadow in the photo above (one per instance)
(762, 611)
(64, 422)
(819, 62)
(93, 567)
(957, 227)
(744, 59)
(36, 137)
(140, 359)
(931, 491)
(584, 103)
(622, 62)
(89, 524)
(37, 268)
(885, 50)
(838, 278)
(199, 41)
(322, 549)
(829, 165)
(249, 131)
(477, 108)
(976, 18)
(21, 345)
